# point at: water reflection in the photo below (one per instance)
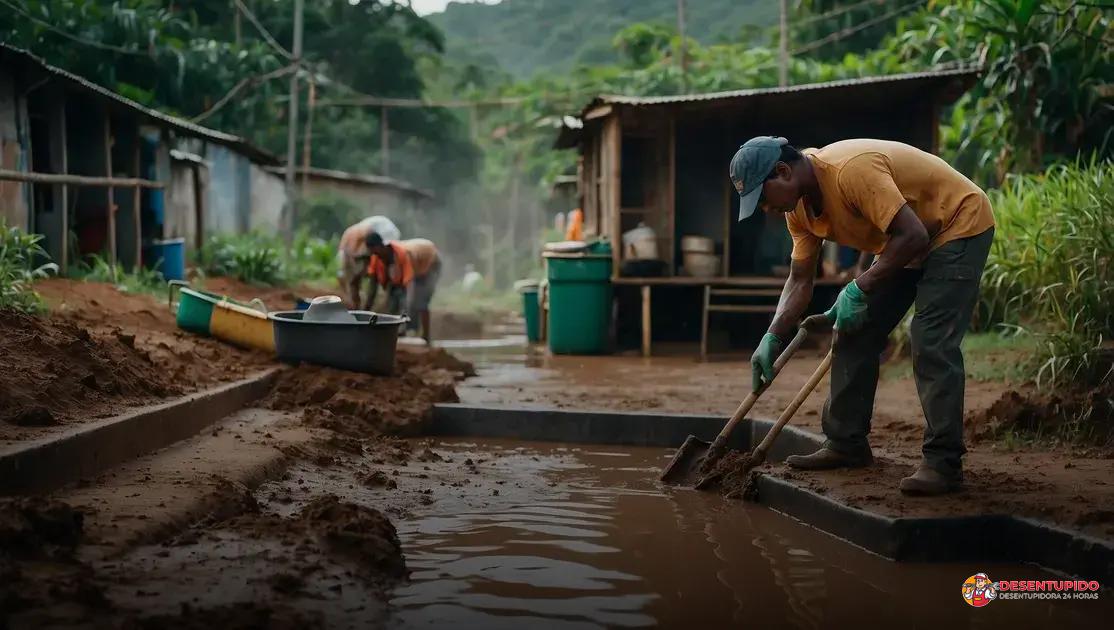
(599, 543)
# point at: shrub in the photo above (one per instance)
(259, 258)
(142, 280)
(1050, 268)
(19, 253)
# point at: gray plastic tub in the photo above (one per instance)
(366, 346)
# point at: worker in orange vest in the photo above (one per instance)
(413, 265)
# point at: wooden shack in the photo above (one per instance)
(662, 161)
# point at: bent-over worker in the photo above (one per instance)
(353, 256)
(414, 265)
(932, 228)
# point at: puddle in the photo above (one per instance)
(586, 538)
(509, 534)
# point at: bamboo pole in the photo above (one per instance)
(77, 180)
(136, 200)
(109, 194)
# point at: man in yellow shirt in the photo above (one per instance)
(931, 228)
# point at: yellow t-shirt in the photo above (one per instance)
(865, 182)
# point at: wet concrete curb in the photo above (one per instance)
(52, 462)
(983, 538)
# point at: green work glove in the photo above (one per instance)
(762, 361)
(849, 312)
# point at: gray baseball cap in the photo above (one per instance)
(752, 163)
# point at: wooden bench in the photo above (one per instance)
(714, 286)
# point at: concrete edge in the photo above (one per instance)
(982, 538)
(49, 463)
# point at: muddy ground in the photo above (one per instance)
(98, 353)
(177, 514)
(1068, 484)
(140, 546)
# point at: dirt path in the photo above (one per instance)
(178, 539)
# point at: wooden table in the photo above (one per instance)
(734, 286)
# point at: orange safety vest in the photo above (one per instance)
(400, 274)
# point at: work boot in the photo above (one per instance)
(928, 481)
(826, 459)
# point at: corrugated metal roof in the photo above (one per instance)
(614, 99)
(379, 181)
(870, 86)
(166, 120)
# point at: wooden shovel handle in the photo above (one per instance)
(809, 324)
(782, 420)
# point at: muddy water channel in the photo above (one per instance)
(525, 535)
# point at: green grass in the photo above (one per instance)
(1051, 269)
(142, 280)
(987, 356)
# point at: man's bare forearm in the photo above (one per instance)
(354, 292)
(795, 298)
(908, 241)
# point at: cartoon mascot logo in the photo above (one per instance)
(978, 590)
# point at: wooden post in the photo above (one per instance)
(783, 46)
(136, 200)
(291, 215)
(384, 141)
(110, 190)
(646, 320)
(704, 322)
(59, 163)
(199, 207)
(307, 141)
(683, 54)
(728, 190)
(672, 202)
(613, 149)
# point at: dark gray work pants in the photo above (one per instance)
(944, 293)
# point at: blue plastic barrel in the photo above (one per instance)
(168, 257)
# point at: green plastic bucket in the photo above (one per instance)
(579, 303)
(195, 310)
(531, 311)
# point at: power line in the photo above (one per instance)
(70, 36)
(253, 81)
(847, 32)
(262, 31)
(835, 12)
(414, 103)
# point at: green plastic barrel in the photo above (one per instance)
(531, 311)
(579, 303)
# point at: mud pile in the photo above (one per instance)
(735, 476)
(362, 405)
(239, 616)
(55, 371)
(38, 538)
(358, 536)
(1080, 416)
(423, 361)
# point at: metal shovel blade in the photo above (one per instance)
(685, 467)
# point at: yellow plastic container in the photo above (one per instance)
(242, 326)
